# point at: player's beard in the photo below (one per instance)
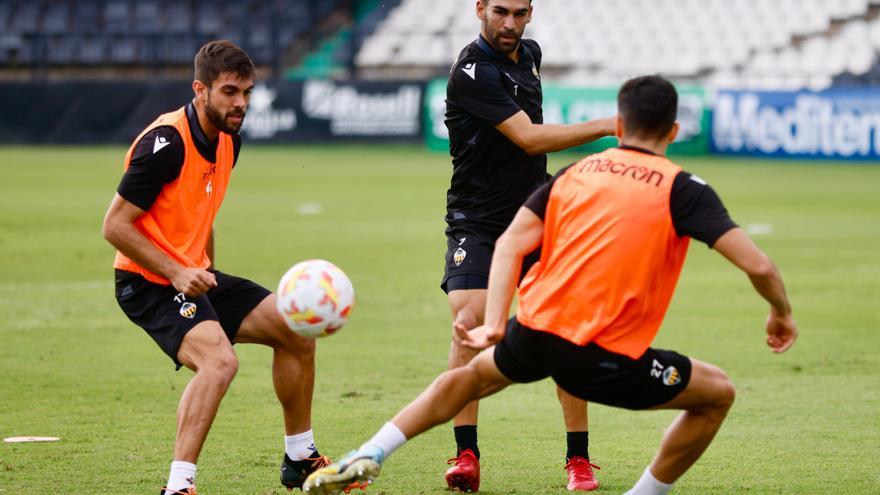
(219, 120)
(496, 42)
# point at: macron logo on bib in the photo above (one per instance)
(159, 144)
(471, 70)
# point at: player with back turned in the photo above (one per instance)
(498, 143)
(614, 229)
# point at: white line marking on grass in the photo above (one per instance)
(310, 209)
(58, 286)
(759, 229)
(30, 439)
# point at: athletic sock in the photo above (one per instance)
(649, 485)
(578, 444)
(300, 446)
(466, 438)
(389, 438)
(181, 477)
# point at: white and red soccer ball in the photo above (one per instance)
(315, 298)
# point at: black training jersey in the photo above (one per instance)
(695, 207)
(491, 176)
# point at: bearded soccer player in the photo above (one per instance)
(498, 144)
(614, 230)
(161, 222)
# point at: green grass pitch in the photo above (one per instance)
(71, 365)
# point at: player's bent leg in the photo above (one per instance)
(574, 410)
(450, 392)
(467, 307)
(578, 467)
(705, 401)
(293, 377)
(206, 350)
(293, 363)
(438, 404)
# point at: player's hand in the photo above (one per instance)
(193, 281)
(479, 338)
(781, 331)
(609, 125)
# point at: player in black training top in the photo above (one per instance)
(498, 142)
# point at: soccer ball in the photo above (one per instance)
(315, 298)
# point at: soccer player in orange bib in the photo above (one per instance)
(161, 222)
(614, 229)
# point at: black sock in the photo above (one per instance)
(578, 444)
(466, 438)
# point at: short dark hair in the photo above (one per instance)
(648, 106)
(486, 2)
(217, 57)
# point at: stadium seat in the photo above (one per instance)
(124, 51)
(57, 19)
(86, 18)
(209, 20)
(742, 40)
(117, 19)
(178, 19)
(148, 18)
(61, 50)
(92, 51)
(25, 19)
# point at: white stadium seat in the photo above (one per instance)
(788, 43)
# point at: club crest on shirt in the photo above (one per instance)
(459, 256)
(188, 310)
(671, 376)
(535, 71)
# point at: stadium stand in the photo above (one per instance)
(781, 44)
(121, 36)
(772, 44)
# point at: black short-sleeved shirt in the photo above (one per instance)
(695, 207)
(158, 158)
(491, 176)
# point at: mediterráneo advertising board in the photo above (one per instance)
(835, 123)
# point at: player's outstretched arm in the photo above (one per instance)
(523, 236)
(535, 139)
(738, 247)
(119, 230)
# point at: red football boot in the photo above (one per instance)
(580, 474)
(464, 475)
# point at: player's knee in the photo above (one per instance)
(300, 347)
(465, 378)
(727, 392)
(222, 368)
(724, 392)
(467, 318)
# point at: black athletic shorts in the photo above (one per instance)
(167, 315)
(591, 372)
(468, 256)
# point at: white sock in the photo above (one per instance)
(649, 485)
(299, 446)
(389, 439)
(182, 476)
